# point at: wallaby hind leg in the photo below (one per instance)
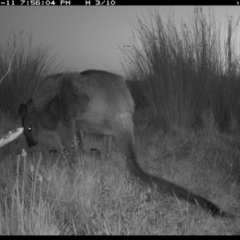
(106, 147)
(125, 139)
(123, 133)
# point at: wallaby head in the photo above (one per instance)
(33, 122)
(30, 122)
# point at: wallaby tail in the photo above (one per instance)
(166, 187)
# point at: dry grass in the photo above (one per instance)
(41, 194)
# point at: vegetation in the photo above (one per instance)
(190, 69)
(41, 194)
(190, 98)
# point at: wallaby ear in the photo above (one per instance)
(30, 107)
(22, 109)
(54, 106)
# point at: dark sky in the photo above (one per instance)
(89, 36)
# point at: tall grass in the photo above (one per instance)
(22, 64)
(41, 194)
(190, 68)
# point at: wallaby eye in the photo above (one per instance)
(29, 128)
